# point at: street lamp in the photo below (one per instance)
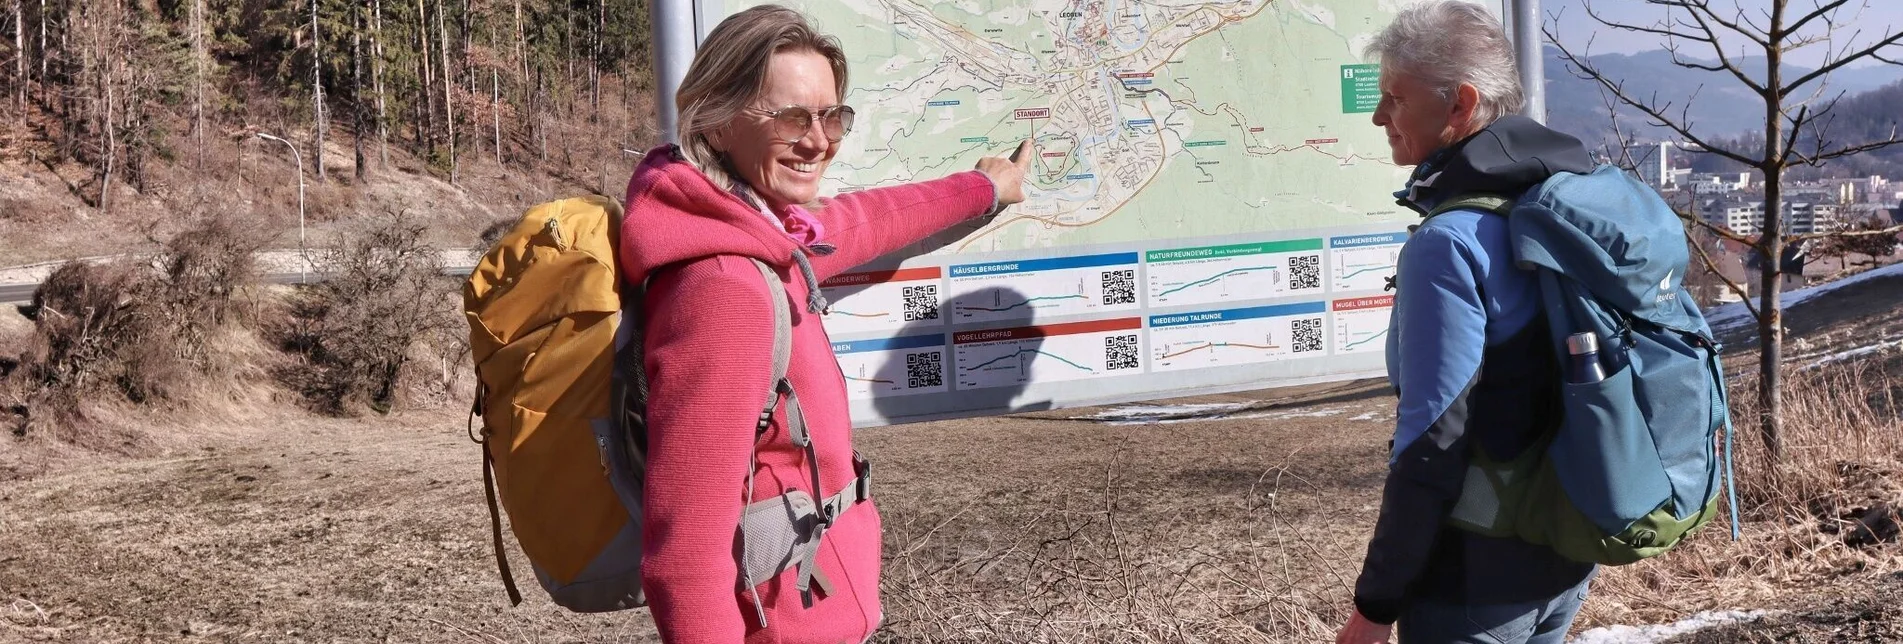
(302, 254)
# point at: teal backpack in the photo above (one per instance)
(1633, 468)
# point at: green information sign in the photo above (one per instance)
(1360, 88)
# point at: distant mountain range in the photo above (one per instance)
(1720, 106)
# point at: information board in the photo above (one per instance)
(1211, 207)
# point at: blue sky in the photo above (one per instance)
(1876, 17)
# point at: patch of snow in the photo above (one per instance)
(1127, 412)
(1731, 316)
(1854, 353)
(1146, 414)
(1662, 632)
(1373, 415)
(1799, 296)
(1198, 413)
(1319, 413)
(1285, 415)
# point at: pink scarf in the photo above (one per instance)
(802, 226)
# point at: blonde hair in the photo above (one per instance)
(729, 74)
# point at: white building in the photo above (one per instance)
(1807, 218)
(1710, 184)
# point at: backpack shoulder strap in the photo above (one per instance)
(1484, 202)
(782, 339)
(796, 421)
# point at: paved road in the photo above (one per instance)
(23, 293)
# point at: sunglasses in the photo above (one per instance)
(790, 123)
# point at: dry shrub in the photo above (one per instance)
(382, 297)
(1809, 522)
(97, 327)
(140, 331)
(28, 211)
(95, 336)
(202, 273)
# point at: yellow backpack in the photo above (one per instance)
(562, 395)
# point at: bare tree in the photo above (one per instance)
(101, 33)
(43, 83)
(1797, 119)
(1873, 247)
(427, 127)
(449, 111)
(495, 110)
(376, 79)
(317, 92)
(198, 84)
(356, 89)
(19, 55)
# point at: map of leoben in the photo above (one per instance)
(1210, 204)
(1153, 118)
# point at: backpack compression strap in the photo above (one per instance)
(489, 491)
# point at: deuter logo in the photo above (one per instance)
(1665, 290)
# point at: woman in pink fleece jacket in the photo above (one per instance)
(760, 120)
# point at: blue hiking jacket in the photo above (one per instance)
(1470, 358)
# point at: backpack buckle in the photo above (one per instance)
(862, 477)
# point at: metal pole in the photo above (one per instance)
(674, 48)
(1529, 48)
(303, 256)
(675, 35)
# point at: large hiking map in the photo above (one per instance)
(1210, 207)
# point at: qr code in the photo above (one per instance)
(1305, 272)
(1308, 335)
(1120, 287)
(1120, 352)
(924, 369)
(921, 302)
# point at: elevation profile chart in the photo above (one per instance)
(1254, 335)
(1060, 286)
(1361, 324)
(1235, 272)
(1075, 351)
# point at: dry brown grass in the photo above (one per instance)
(1089, 575)
(1800, 533)
(1051, 529)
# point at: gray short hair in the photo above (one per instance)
(1447, 43)
(729, 73)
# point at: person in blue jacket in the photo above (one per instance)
(1468, 351)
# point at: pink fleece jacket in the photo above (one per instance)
(709, 354)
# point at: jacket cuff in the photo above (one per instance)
(1379, 612)
(994, 207)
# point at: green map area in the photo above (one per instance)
(1153, 119)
